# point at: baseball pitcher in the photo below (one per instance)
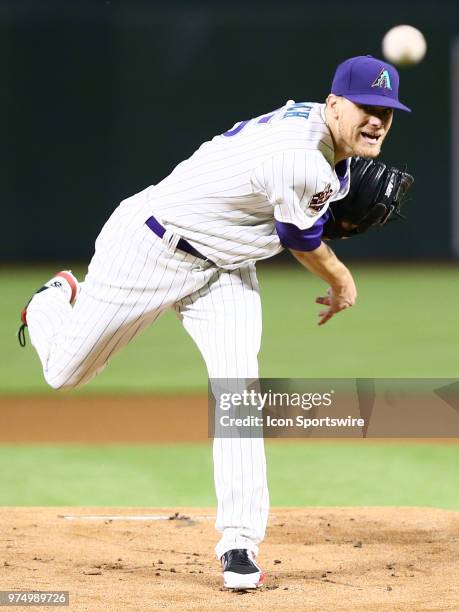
(284, 179)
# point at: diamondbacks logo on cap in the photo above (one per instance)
(382, 80)
(319, 200)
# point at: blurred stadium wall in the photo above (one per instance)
(101, 98)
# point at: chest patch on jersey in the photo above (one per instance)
(318, 200)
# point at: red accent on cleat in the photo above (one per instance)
(24, 316)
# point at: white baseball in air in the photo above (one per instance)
(404, 45)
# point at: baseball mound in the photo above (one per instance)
(314, 558)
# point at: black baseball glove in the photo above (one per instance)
(375, 197)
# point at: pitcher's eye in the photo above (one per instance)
(378, 111)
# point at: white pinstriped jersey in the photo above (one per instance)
(226, 198)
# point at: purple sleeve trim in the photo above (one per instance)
(236, 129)
(266, 118)
(309, 239)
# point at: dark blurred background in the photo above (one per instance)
(102, 98)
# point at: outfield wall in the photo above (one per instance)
(104, 98)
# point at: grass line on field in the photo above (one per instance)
(394, 331)
(300, 474)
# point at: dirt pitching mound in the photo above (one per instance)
(155, 559)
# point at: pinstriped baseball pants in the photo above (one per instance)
(131, 280)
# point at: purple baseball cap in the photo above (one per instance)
(367, 80)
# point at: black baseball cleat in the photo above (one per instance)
(240, 570)
(56, 281)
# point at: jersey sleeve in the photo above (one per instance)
(298, 185)
(302, 240)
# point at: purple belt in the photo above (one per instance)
(182, 244)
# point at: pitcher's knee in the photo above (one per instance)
(76, 373)
(66, 380)
(61, 384)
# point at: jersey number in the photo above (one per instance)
(300, 109)
(242, 124)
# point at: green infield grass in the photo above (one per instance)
(404, 325)
(300, 474)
